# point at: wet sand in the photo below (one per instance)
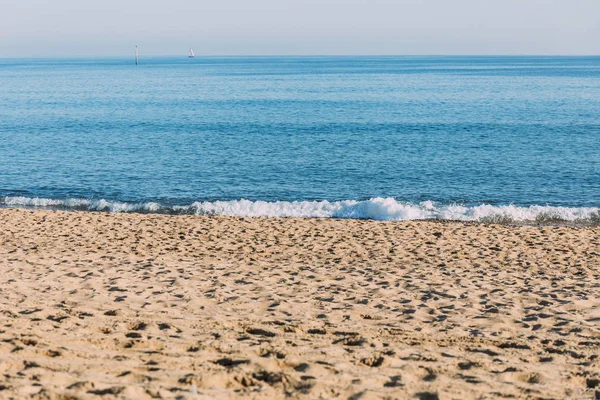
(154, 306)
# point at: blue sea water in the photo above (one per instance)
(471, 138)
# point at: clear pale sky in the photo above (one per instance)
(265, 27)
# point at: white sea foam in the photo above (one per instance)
(79, 204)
(387, 209)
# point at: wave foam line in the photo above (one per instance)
(384, 209)
(79, 204)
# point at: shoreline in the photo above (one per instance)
(589, 223)
(141, 305)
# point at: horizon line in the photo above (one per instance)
(296, 55)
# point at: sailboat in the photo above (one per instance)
(191, 53)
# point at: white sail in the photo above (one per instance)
(191, 53)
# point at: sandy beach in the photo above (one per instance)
(156, 306)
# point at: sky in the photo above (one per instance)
(30, 28)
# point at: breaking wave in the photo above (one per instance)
(384, 209)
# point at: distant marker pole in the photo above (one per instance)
(136, 55)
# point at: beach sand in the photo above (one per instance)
(156, 306)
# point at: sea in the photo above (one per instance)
(490, 139)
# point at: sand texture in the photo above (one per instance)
(151, 306)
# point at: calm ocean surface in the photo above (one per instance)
(471, 138)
